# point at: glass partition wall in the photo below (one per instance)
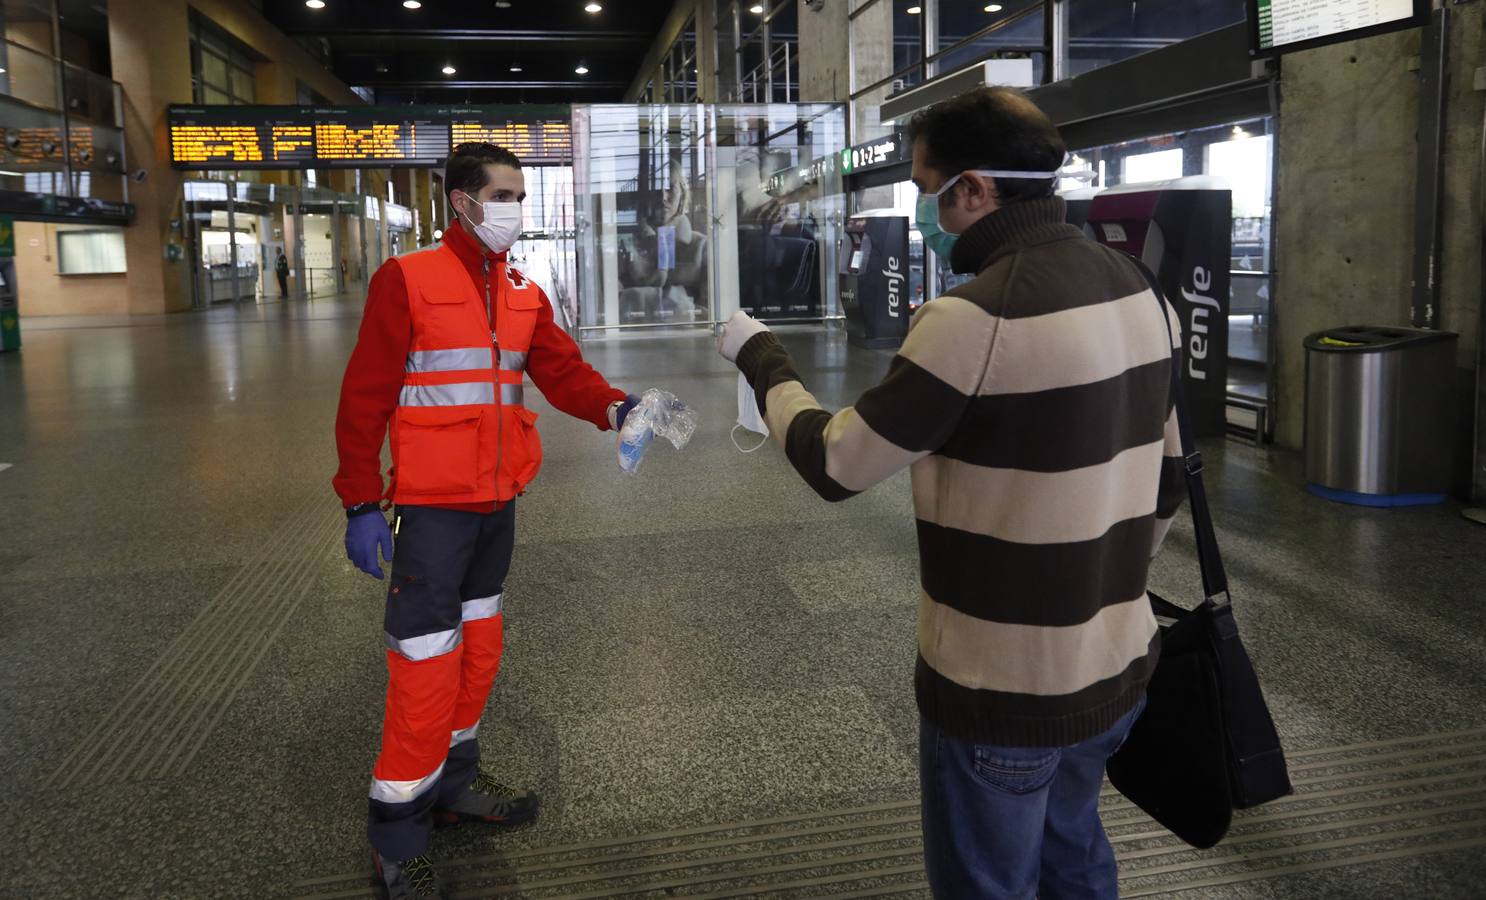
(676, 226)
(235, 230)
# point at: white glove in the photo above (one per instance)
(739, 330)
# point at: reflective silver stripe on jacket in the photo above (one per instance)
(466, 393)
(513, 360)
(464, 734)
(404, 791)
(481, 608)
(425, 646)
(511, 394)
(449, 360)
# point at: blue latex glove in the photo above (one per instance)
(364, 535)
(625, 408)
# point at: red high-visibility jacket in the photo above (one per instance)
(430, 363)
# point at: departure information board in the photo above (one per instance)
(303, 137)
(1281, 25)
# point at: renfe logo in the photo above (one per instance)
(1202, 282)
(894, 286)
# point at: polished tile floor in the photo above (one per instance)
(193, 672)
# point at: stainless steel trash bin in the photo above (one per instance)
(1378, 414)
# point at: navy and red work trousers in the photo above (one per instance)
(444, 642)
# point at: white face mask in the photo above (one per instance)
(749, 417)
(500, 227)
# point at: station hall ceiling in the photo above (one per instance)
(511, 51)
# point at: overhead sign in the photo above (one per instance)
(305, 137)
(887, 151)
(1278, 26)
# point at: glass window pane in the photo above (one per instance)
(242, 85)
(908, 47)
(213, 70)
(212, 95)
(959, 19)
(960, 22)
(1162, 165)
(1101, 32)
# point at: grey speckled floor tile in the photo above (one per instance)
(703, 643)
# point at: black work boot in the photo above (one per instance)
(409, 879)
(488, 800)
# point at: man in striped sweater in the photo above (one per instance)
(1033, 406)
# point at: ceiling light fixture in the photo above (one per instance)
(757, 9)
(315, 4)
(915, 10)
(502, 4)
(593, 8)
(582, 69)
(411, 4)
(994, 7)
(515, 68)
(449, 70)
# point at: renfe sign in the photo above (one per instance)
(1184, 234)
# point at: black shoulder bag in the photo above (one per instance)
(1206, 744)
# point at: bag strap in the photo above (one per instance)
(1214, 577)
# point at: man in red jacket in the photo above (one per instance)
(447, 336)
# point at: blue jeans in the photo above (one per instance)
(1014, 823)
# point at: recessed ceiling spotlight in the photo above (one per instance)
(502, 4)
(757, 9)
(582, 69)
(994, 7)
(515, 68)
(411, 4)
(593, 8)
(449, 70)
(915, 10)
(315, 4)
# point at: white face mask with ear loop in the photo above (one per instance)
(749, 418)
(499, 227)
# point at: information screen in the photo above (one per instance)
(301, 137)
(1281, 25)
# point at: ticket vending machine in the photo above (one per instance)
(1182, 230)
(1077, 203)
(875, 283)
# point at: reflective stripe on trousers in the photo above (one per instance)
(461, 735)
(424, 646)
(404, 791)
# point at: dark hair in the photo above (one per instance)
(992, 128)
(465, 168)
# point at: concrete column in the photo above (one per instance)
(150, 47)
(871, 55)
(825, 57)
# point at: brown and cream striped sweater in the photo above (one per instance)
(1033, 405)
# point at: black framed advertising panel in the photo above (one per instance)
(1282, 26)
(329, 137)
